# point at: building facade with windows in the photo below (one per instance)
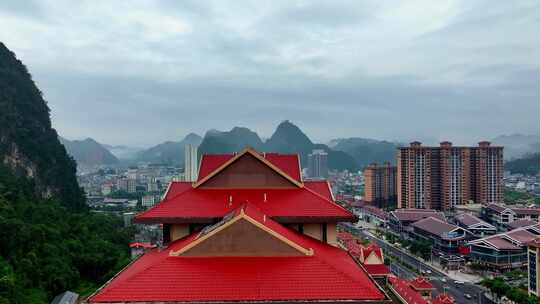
(380, 185)
(533, 256)
(318, 164)
(448, 176)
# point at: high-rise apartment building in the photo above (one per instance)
(127, 184)
(190, 163)
(380, 185)
(446, 176)
(533, 258)
(318, 164)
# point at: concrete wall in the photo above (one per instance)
(313, 230)
(331, 234)
(179, 231)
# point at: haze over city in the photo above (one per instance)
(143, 72)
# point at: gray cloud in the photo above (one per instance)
(143, 72)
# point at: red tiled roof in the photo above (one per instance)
(210, 162)
(372, 248)
(288, 163)
(376, 269)
(443, 298)
(328, 274)
(320, 187)
(344, 235)
(192, 203)
(421, 283)
(409, 295)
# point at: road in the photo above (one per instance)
(439, 280)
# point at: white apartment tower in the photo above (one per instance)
(190, 163)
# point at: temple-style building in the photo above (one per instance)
(249, 230)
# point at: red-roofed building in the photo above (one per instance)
(370, 257)
(248, 230)
(417, 291)
(443, 298)
(423, 286)
(404, 292)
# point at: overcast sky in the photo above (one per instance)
(141, 72)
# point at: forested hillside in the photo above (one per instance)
(49, 240)
(527, 165)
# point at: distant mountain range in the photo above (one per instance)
(170, 152)
(344, 153)
(123, 152)
(287, 138)
(88, 153)
(518, 145)
(366, 151)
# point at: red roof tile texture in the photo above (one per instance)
(443, 298)
(183, 201)
(329, 274)
(420, 283)
(376, 269)
(409, 295)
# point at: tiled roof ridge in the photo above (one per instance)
(165, 200)
(335, 205)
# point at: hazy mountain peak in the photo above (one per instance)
(88, 152)
(192, 139)
(286, 131)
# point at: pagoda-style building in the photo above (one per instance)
(249, 230)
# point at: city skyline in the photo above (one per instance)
(341, 70)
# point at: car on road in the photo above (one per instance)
(459, 282)
(443, 280)
(468, 296)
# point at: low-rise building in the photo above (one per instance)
(501, 215)
(445, 237)
(400, 220)
(504, 251)
(372, 214)
(498, 215)
(423, 286)
(521, 223)
(476, 226)
(416, 291)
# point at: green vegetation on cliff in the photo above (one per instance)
(49, 241)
